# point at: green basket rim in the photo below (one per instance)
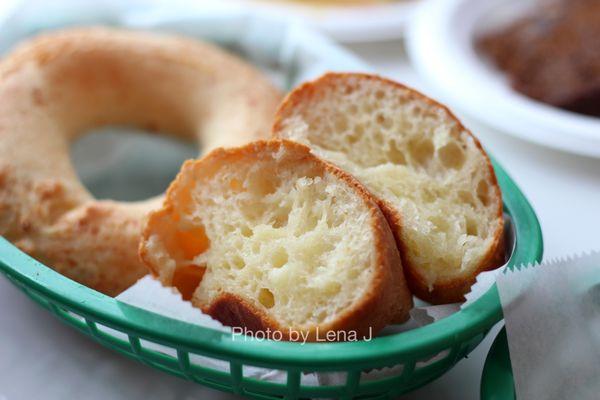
(476, 318)
(497, 377)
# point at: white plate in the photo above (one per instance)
(440, 44)
(349, 23)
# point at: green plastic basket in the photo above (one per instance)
(424, 353)
(497, 379)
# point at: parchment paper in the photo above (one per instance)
(552, 315)
(149, 294)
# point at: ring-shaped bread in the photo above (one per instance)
(55, 87)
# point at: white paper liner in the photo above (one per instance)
(552, 316)
(150, 295)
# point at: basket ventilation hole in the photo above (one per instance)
(432, 360)
(209, 362)
(250, 371)
(148, 345)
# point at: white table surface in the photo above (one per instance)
(42, 358)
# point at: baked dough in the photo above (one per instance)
(271, 238)
(57, 86)
(434, 181)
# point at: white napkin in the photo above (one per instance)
(552, 314)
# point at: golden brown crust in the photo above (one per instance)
(386, 300)
(57, 86)
(444, 291)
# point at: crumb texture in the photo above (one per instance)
(274, 227)
(414, 156)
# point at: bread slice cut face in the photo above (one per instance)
(270, 237)
(431, 176)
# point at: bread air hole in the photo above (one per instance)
(471, 226)
(466, 197)
(238, 262)
(421, 151)
(395, 155)
(266, 298)
(279, 258)
(451, 155)
(483, 192)
(281, 218)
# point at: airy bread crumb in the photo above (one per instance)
(434, 181)
(277, 239)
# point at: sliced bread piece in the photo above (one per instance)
(433, 180)
(270, 237)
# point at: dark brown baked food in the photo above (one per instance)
(553, 54)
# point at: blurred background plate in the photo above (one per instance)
(350, 21)
(440, 44)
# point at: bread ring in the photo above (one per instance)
(57, 86)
